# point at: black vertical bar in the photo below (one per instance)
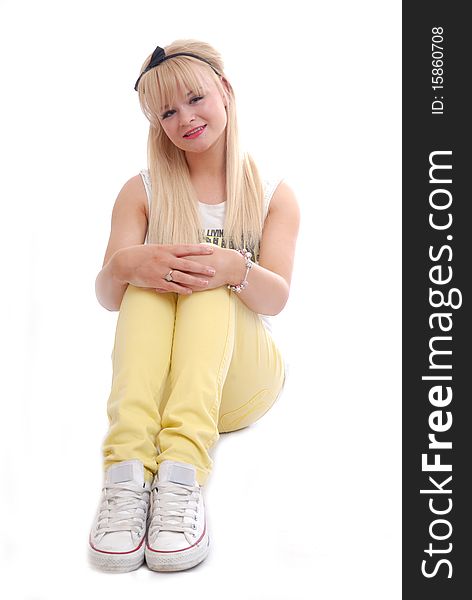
(437, 259)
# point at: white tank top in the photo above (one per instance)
(213, 216)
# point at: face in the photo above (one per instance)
(191, 111)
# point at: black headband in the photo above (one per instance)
(159, 56)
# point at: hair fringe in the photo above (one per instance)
(174, 216)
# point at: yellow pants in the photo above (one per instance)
(185, 369)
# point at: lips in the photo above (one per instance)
(195, 130)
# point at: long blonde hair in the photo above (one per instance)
(174, 216)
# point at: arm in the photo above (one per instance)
(128, 227)
(269, 281)
(108, 288)
(128, 260)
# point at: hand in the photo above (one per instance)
(146, 265)
(229, 266)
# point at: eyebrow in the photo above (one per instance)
(188, 94)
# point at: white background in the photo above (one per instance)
(306, 503)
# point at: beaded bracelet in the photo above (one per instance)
(244, 283)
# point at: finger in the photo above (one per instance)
(189, 280)
(192, 266)
(195, 249)
(174, 287)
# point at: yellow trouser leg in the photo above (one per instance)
(226, 372)
(141, 359)
(256, 374)
(201, 355)
(184, 369)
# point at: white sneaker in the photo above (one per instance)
(177, 536)
(117, 537)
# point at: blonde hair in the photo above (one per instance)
(174, 216)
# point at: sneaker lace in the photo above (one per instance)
(123, 508)
(172, 503)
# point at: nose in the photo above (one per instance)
(186, 116)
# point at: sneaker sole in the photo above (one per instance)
(116, 563)
(180, 560)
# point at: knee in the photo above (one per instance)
(221, 291)
(146, 296)
(205, 299)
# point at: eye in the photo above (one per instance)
(167, 114)
(196, 98)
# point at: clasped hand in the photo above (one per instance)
(146, 265)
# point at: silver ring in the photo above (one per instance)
(168, 277)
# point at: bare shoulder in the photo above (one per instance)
(284, 204)
(129, 217)
(133, 192)
(280, 232)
